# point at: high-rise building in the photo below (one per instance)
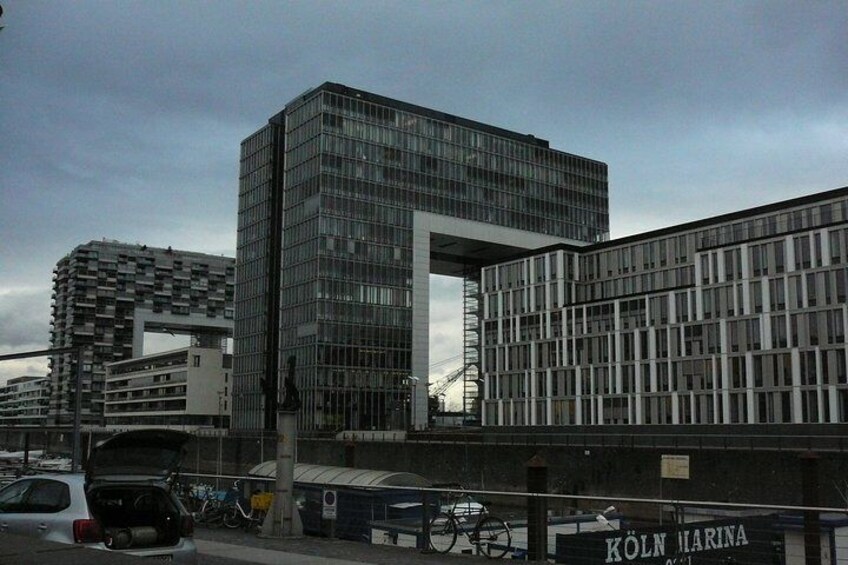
(737, 319)
(107, 294)
(348, 201)
(24, 400)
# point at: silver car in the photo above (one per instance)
(123, 502)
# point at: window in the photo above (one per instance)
(48, 496)
(12, 497)
(196, 360)
(779, 262)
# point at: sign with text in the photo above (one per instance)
(739, 540)
(675, 467)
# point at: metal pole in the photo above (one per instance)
(75, 454)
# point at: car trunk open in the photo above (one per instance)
(135, 516)
(138, 454)
(128, 485)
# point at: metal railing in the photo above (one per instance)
(575, 529)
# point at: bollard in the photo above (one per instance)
(537, 509)
(810, 498)
(26, 449)
(350, 454)
(424, 540)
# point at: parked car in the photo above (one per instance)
(123, 501)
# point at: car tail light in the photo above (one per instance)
(87, 531)
(186, 526)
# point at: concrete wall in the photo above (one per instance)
(764, 477)
(767, 477)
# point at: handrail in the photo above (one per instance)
(571, 497)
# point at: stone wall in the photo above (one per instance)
(766, 477)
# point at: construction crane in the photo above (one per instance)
(443, 384)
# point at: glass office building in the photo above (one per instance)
(361, 197)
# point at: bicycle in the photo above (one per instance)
(236, 517)
(213, 506)
(489, 534)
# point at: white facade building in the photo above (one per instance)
(738, 319)
(185, 389)
(24, 401)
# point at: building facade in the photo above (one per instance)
(24, 401)
(107, 294)
(740, 318)
(187, 389)
(361, 197)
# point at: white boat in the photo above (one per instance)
(17, 457)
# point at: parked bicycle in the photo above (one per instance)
(214, 504)
(464, 515)
(236, 516)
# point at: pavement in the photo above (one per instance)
(310, 550)
(223, 546)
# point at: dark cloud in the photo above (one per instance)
(24, 326)
(24, 319)
(123, 120)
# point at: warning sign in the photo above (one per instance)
(328, 510)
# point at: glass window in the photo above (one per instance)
(12, 497)
(48, 496)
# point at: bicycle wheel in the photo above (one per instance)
(494, 537)
(257, 520)
(213, 515)
(442, 532)
(191, 504)
(233, 518)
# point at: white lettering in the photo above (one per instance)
(741, 537)
(709, 539)
(659, 544)
(646, 551)
(631, 546)
(635, 546)
(729, 538)
(613, 553)
(696, 541)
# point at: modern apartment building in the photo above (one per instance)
(24, 401)
(107, 294)
(348, 201)
(739, 318)
(187, 389)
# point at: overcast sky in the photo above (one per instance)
(123, 119)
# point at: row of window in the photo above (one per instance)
(808, 250)
(813, 406)
(427, 128)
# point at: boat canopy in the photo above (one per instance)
(342, 476)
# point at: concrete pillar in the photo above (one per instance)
(537, 509)
(810, 498)
(284, 519)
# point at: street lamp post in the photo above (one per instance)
(413, 409)
(220, 409)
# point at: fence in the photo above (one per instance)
(577, 530)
